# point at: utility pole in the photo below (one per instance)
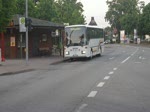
(26, 16)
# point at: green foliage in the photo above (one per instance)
(72, 12)
(68, 11)
(0, 8)
(60, 11)
(129, 22)
(123, 14)
(144, 25)
(7, 9)
(107, 32)
(21, 7)
(45, 10)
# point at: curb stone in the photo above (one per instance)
(16, 72)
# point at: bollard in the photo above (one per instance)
(0, 57)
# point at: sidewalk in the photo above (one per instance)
(13, 66)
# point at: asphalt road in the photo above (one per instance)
(118, 81)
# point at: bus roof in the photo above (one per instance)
(88, 26)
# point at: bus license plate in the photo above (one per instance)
(75, 55)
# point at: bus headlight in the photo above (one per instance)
(83, 52)
(67, 53)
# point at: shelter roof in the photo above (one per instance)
(36, 22)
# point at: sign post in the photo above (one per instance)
(27, 58)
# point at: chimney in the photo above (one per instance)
(92, 22)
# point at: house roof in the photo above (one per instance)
(36, 22)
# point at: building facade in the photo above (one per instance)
(41, 39)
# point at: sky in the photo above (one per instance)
(97, 9)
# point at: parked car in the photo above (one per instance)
(107, 41)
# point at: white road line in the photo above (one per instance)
(135, 52)
(82, 107)
(110, 73)
(101, 84)
(111, 58)
(115, 68)
(106, 77)
(125, 59)
(92, 94)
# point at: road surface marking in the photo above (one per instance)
(135, 51)
(110, 73)
(82, 107)
(106, 77)
(111, 58)
(101, 84)
(115, 68)
(92, 94)
(125, 59)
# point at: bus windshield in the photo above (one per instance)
(75, 36)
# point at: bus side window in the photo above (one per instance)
(88, 38)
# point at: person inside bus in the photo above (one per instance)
(68, 41)
(82, 39)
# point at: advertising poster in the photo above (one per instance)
(122, 36)
(12, 41)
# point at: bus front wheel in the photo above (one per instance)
(100, 52)
(91, 55)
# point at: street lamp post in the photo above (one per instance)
(26, 16)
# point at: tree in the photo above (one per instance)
(107, 32)
(73, 12)
(58, 5)
(123, 14)
(60, 11)
(69, 11)
(144, 23)
(7, 9)
(45, 10)
(20, 4)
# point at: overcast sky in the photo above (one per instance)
(97, 9)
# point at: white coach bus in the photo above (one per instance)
(83, 41)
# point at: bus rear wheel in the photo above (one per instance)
(91, 55)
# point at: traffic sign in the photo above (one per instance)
(22, 27)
